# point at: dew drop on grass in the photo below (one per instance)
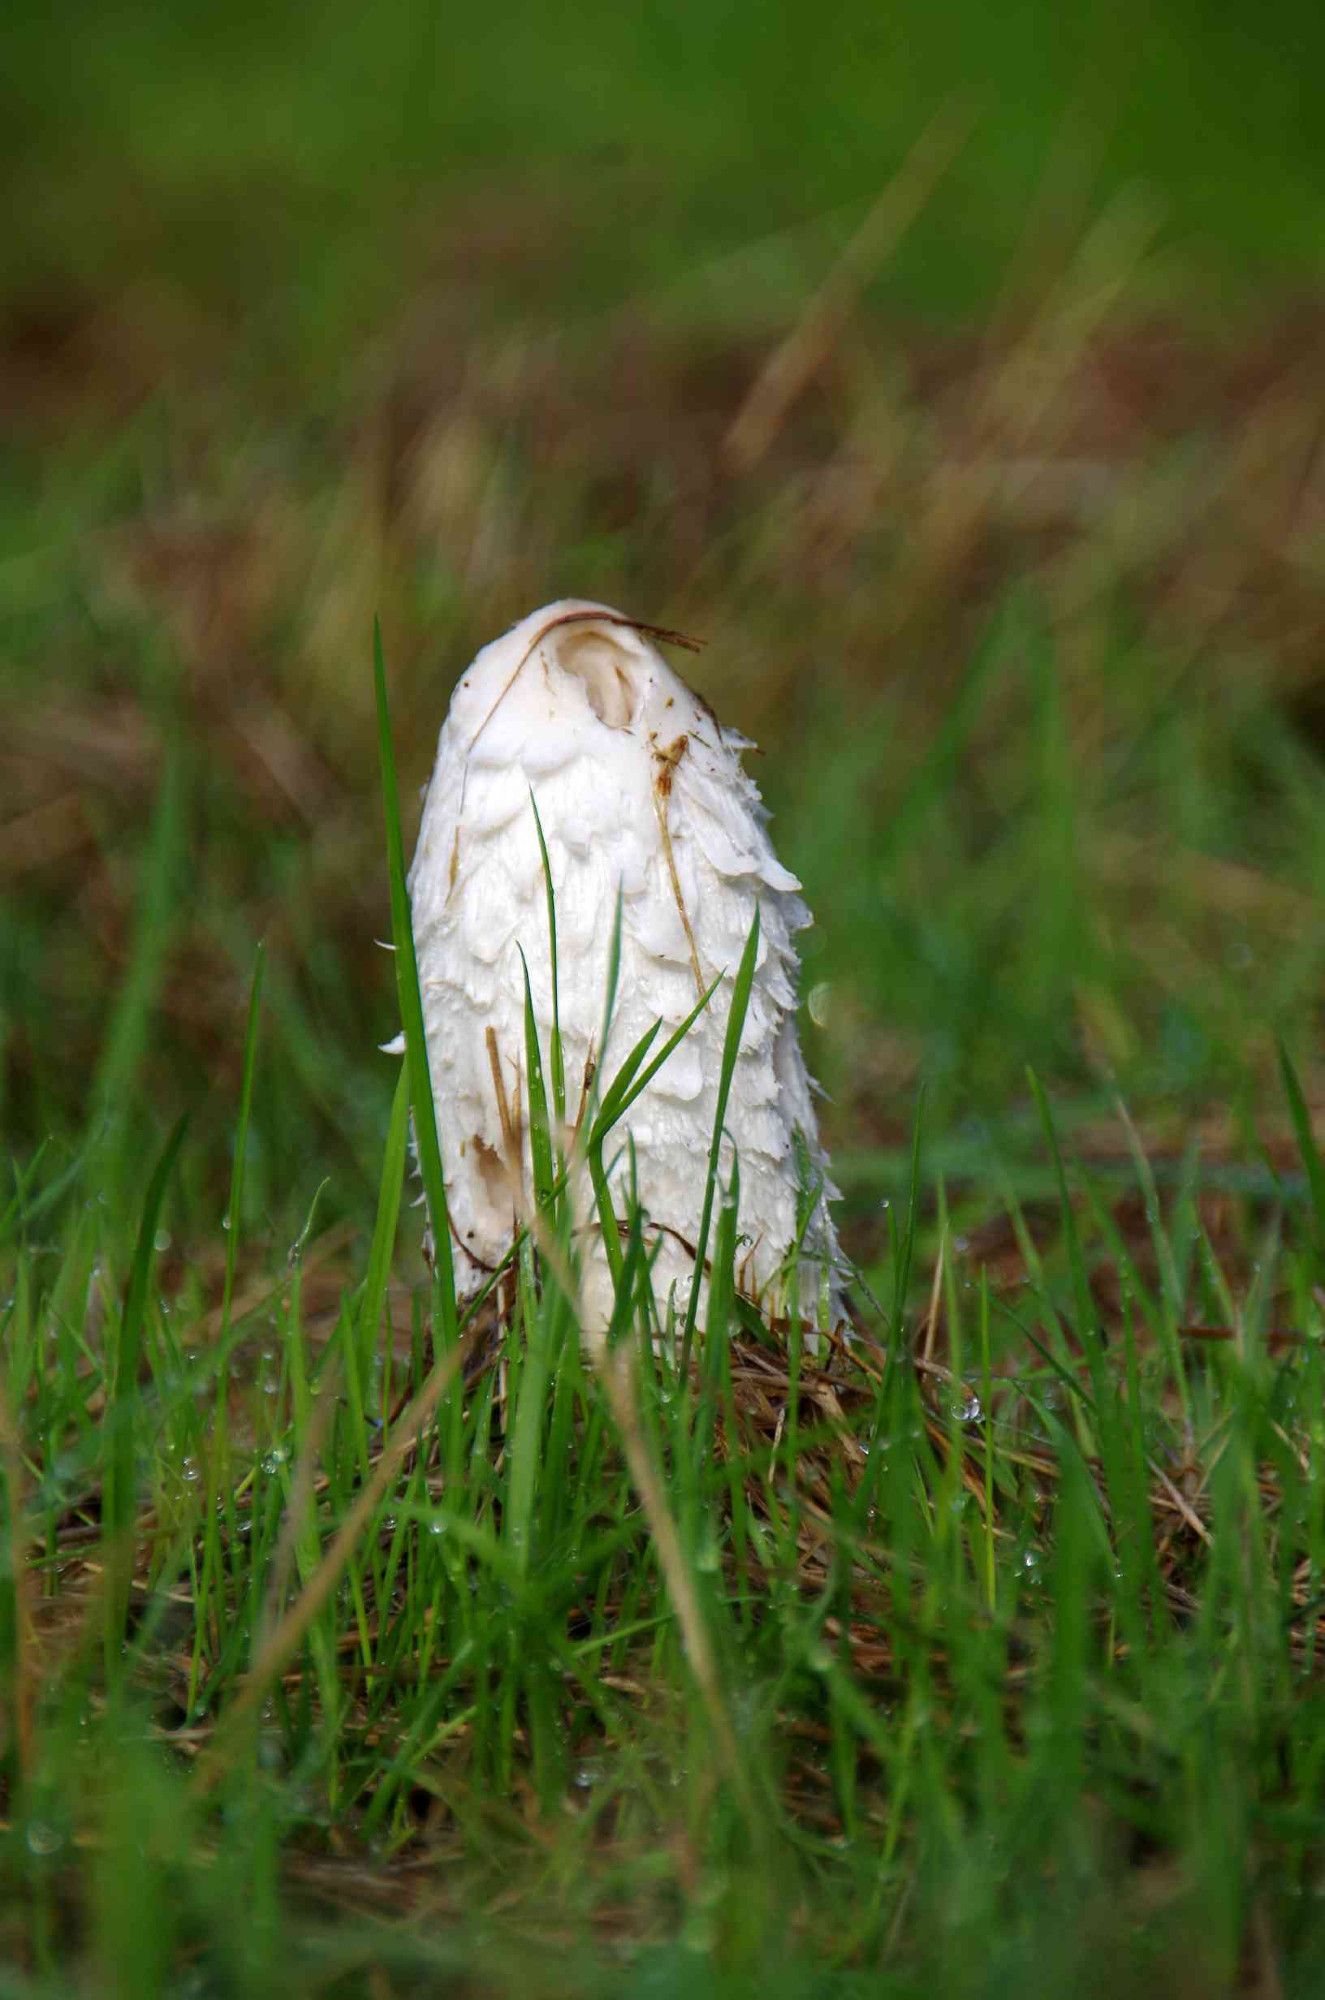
(43, 1838)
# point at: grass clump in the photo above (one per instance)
(349, 1636)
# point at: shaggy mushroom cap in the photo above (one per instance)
(641, 794)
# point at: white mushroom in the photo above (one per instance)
(641, 794)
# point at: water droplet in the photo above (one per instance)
(190, 1470)
(819, 1002)
(43, 1838)
(161, 1241)
(275, 1459)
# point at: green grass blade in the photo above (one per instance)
(556, 1060)
(613, 978)
(731, 1049)
(618, 1092)
(385, 1224)
(903, 1243)
(235, 1207)
(1087, 1316)
(1306, 1144)
(411, 1011)
(154, 924)
(540, 1134)
(120, 1501)
(626, 1087)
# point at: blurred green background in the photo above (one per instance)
(311, 314)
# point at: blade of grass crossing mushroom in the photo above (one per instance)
(626, 1086)
(555, 1056)
(411, 1014)
(624, 1089)
(540, 1132)
(593, 1148)
(546, 1324)
(613, 977)
(731, 1049)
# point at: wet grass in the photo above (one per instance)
(348, 1646)
(344, 1631)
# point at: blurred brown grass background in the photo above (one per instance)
(1101, 854)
